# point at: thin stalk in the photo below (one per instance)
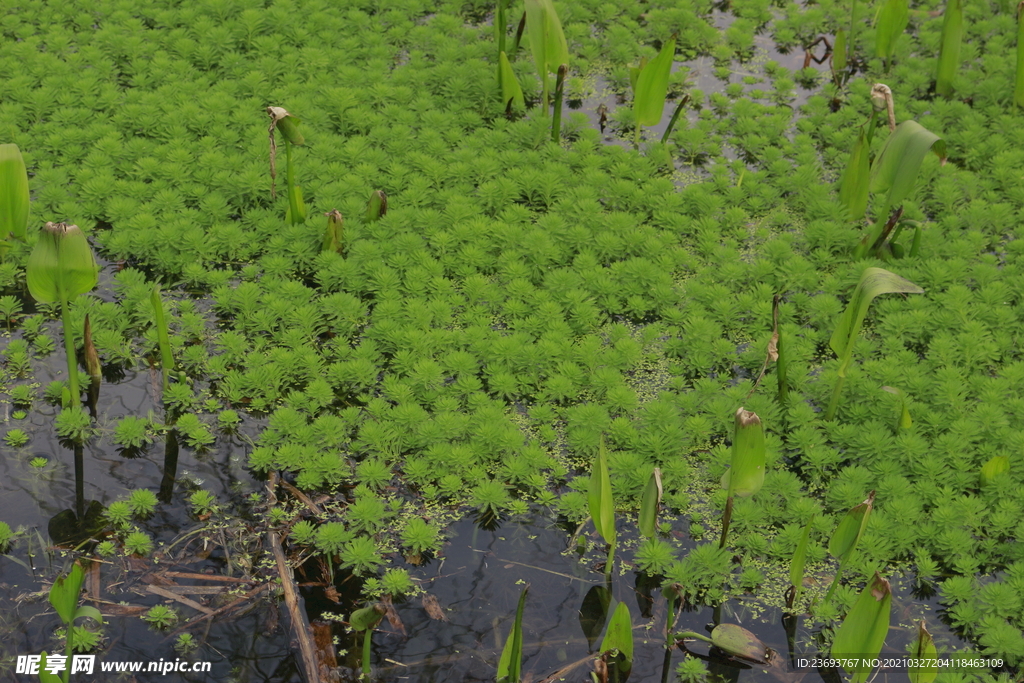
(366, 654)
(293, 202)
(636, 136)
(609, 562)
(556, 119)
(850, 42)
(833, 403)
(675, 116)
(835, 583)
(163, 339)
(502, 26)
(726, 519)
(69, 350)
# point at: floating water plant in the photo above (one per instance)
(547, 43)
(734, 639)
(14, 196)
(949, 47)
(890, 25)
(288, 125)
(846, 536)
(64, 597)
(510, 665)
(1018, 88)
(365, 619)
(60, 268)
(746, 473)
(650, 86)
(618, 641)
(861, 635)
(873, 282)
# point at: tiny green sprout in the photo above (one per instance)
(288, 125)
(138, 543)
(185, 644)
(142, 502)
(10, 307)
(16, 438)
(22, 395)
(60, 268)
(39, 462)
(6, 536)
(19, 415)
(160, 616)
(202, 502)
(14, 195)
(91, 356)
(334, 234)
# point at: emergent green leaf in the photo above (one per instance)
(997, 467)
(796, 565)
(746, 474)
(61, 265)
(924, 651)
(64, 593)
(547, 42)
(1018, 89)
(949, 47)
(895, 170)
(602, 507)
(740, 642)
(367, 617)
(650, 503)
(511, 92)
(853, 186)
(863, 631)
(619, 635)
(652, 85)
(847, 534)
(873, 281)
(892, 21)
(14, 197)
(511, 663)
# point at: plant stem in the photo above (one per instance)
(556, 119)
(608, 563)
(849, 43)
(69, 350)
(366, 653)
(293, 203)
(726, 518)
(835, 582)
(636, 137)
(675, 116)
(833, 403)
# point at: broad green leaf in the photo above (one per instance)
(873, 281)
(650, 503)
(892, 22)
(839, 53)
(853, 186)
(511, 663)
(14, 196)
(602, 507)
(366, 618)
(847, 534)
(619, 635)
(61, 265)
(90, 612)
(799, 561)
(376, 206)
(997, 467)
(949, 47)
(652, 86)
(863, 631)
(296, 207)
(923, 650)
(510, 90)
(547, 42)
(895, 170)
(594, 612)
(746, 474)
(46, 676)
(740, 642)
(64, 593)
(1018, 89)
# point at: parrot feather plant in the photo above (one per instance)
(14, 197)
(1018, 88)
(746, 474)
(60, 268)
(873, 282)
(547, 42)
(288, 125)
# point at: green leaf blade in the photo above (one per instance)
(949, 47)
(896, 168)
(652, 86)
(14, 194)
(863, 631)
(619, 635)
(649, 504)
(511, 92)
(602, 507)
(853, 185)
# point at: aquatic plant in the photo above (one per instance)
(650, 504)
(281, 120)
(74, 425)
(547, 43)
(64, 597)
(6, 536)
(164, 340)
(889, 26)
(365, 619)
(132, 432)
(14, 197)
(397, 582)
(60, 268)
(797, 564)
(10, 307)
(419, 536)
(160, 616)
(228, 420)
(745, 475)
(601, 504)
(511, 92)
(873, 282)
(202, 502)
(118, 513)
(142, 502)
(376, 206)
(923, 651)
(556, 119)
(510, 664)
(733, 639)
(846, 537)
(949, 47)
(16, 438)
(650, 85)
(138, 543)
(185, 644)
(862, 634)
(334, 234)
(1018, 88)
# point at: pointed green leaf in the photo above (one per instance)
(904, 422)
(511, 92)
(334, 233)
(90, 612)
(873, 282)
(847, 534)
(740, 642)
(14, 196)
(619, 635)
(1018, 89)
(367, 617)
(61, 265)
(924, 652)
(853, 185)
(594, 612)
(287, 124)
(863, 631)
(64, 593)
(892, 22)
(650, 503)
(376, 206)
(949, 47)
(599, 497)
(839, 53)
(652, 86)
(511, 663)
(746, 474)
(797, 564)
(44, 675)
(896, 168)
(547, 41)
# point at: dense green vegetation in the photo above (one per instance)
(516, 302)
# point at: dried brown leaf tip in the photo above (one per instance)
(881, 100)
(746, 418)
(879, 588)
(433, 608)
